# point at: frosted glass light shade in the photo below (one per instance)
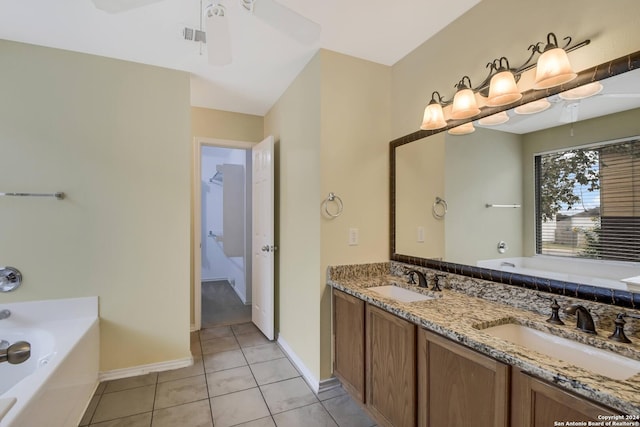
(464, 105)
(533, 107)
(495, 119)
(553, 69)
(503, 89)
(582, 92)
(433, 117)
(462, 129)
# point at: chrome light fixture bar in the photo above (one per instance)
(500, 85)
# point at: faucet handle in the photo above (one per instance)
(555, 308)
(618, 334)
(436, 282)
(555, 317)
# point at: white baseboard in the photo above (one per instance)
(213, 279)
(310, 379)
(328, 384)
(117, 374)
(192, 327)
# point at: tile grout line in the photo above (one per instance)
(155, 394)
(206, 380)
(96, 408)
(254, 379)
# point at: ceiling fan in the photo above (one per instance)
(570, 101)
(217, 37)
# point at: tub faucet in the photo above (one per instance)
(4, 314)
(585, 321)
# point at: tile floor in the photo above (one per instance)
(239, 378)
(221, 305)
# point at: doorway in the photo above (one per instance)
(222, 227)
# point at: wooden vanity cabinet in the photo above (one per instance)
(391, 368)
(536, 403)
(408, 377)
(458, 386)
(348, 335)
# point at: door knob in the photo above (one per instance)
(265, 248)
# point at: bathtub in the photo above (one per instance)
(53, 387)
(609, 274)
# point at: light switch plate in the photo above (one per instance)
(353, 236)
(420, 234)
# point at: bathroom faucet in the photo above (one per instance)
(422, 280)
(4, 314)
(585, 321)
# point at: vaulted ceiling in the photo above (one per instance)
(265, 61)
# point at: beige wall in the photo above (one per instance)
(332, 134)
(295, 123)
(208, 123)
(114, 136)
(218, 124)
(483, 168)
(468, 172)
(354, 161)
(420, 178)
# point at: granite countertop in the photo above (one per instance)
(460, 313)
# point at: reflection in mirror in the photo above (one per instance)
(487, 179)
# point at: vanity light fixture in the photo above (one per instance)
(495, 119)
(553, 67)
(464, 101)
(533, 107)
(433, 116)
(582, 92)
(502, 88)
(463, 129)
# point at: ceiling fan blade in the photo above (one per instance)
(286, 20)
(218, 39)
(117, 6)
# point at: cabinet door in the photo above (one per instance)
(348, 335)
(536, 403)
(459, 386)
(391, 368)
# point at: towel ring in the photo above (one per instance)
(439, 208)
(338, 201)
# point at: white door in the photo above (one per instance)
(262, 244)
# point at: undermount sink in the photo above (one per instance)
(593, 359)
(400, 294)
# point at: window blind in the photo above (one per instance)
(588, 202)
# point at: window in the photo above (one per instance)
(588, 201)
